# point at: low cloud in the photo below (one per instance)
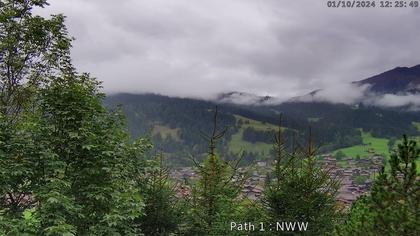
(354, 94)
(412, 101)
(240, 98)
(349, 94)
(339, 93)
(201, 48)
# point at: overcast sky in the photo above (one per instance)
(202, 47)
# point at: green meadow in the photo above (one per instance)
(371, 145)
(237, 144)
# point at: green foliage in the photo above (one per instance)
(417, 125)
(253, 136)
(397, 195)
(340, 155)
(213, 199)
(92, 163)
(301, 191)
(75, 168)
(162, 212)
(370, 145)
(237, 144)
(391, 144)
(213, 202)
(343, 140)
(31, 49)
(394, 200)
(67, 166)
(359, 221)
(360, 179)
(250, 211)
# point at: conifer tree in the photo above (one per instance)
(393, 206)
(162, 212)
(213, 203)
(300, 191)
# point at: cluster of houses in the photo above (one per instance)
(355, 176)
(183, 175)
(253, 187)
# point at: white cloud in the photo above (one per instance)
(338, 93)
(392, 100)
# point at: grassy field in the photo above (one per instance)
(237, 144)
(257, 125)
(371, 146)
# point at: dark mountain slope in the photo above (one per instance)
(399, 81)
(395, 81)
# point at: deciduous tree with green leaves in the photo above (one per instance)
(32, 49)
(67, 165)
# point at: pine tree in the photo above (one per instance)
(213, 203)
(394, 201)
(300, 191)
(162, 212)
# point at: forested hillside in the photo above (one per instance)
(175, 124)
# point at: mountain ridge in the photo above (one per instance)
(396, 81)
(400, 81)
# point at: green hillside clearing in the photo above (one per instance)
(237, 144)
(371, 146)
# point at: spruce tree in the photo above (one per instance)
(393, 206)
(162, 212)
(300, 190)
(213, 202)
